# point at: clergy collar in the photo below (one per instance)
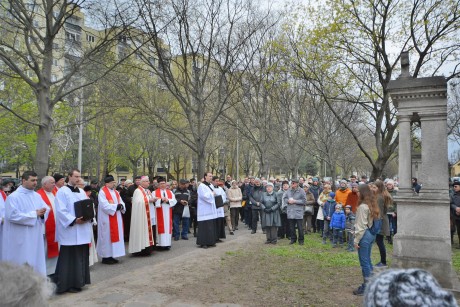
(73, 189)
(207, 183)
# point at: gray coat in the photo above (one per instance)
(385, 231)
(297, 209)
(273, 218)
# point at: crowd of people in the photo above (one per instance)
(41, 228)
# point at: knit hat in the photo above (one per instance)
(315, 179)
(412, 287)
(343, 181)
(338, 206)
(332, 195)
(456, 183)
(348, 207)
(58, 177)
(270, 185)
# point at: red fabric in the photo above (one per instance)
(3, 194)
(113, 220)
(50, 226)
(160, 217)
(55, 189)
(147, 210)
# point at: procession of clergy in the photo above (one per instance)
(40, 228)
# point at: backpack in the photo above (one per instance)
(376, 227)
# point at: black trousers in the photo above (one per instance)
(256, 215)
(292, 224)
(283, 231)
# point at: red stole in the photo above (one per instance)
(160, 218)
(113, 220)
(3, 194)
(55, 189)
(50, 226)
(147, 210)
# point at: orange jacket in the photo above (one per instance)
(341, 196)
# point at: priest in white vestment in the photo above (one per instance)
(141, 233)
(74, 236)
(220, 221)
(164, 204)
(110, 236)
(25, 214)
(51, 246)
(206, 213)
(2, 216)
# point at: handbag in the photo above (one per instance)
(309, 209)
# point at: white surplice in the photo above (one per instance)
(105, 247)
(164, 237)
(220, 191)
(23, 240)
(77, 234)
(206, 207)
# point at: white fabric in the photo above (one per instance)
(139, 231)
(2, 217)
(50, 262)
(206, 207)
(220, 191)
(77, 234)
(153, 213)
(23, 240)
(92, 251)
(186, 212)
(164, 239)
(105, 248)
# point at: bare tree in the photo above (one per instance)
(202, 68)
(353, 47)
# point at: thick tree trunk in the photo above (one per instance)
(43, 134)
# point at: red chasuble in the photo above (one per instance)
(113, 220)
(50, 226)
(147, 210)
(160, 218)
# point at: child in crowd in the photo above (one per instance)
(350, 227)
(328, 210)
(337, 225)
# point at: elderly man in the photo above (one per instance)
(141, 236)
(110, 239)
(295, 198)
(74, 235)
(51, 246)
(25, 213)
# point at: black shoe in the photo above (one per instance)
(268, 242)
(292, 242)
(108, 261)
(184, 238)
(219, 241)
(204, 246)
(74, 290)
(232, 233)
(253, 232)
(114, 260)
(359, 291)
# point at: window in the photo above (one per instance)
(72, 36)
(90, 38)
(55, 62)
(122, 39)
(53, 78)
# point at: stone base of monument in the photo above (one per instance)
(423, 238)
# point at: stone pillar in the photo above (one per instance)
(423, 238)
(405, 154)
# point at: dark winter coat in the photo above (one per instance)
(270, 203)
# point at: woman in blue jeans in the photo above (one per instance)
(368, 210)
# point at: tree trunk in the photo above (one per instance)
(43, 134)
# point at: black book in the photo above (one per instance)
(84, 208)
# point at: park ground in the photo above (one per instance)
(243, 271)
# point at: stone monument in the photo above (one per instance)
(423, 238)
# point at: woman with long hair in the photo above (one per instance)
(368, 210)
(384, 200)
